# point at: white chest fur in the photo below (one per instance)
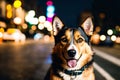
(68, 77)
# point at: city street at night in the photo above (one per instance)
(27, 28)
(30, 61)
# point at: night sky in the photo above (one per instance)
(69, 10)
(110, 7)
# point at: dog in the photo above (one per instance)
(72, 55)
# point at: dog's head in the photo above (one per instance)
(72, 49)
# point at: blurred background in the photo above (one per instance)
(34, 18)
(26, 33)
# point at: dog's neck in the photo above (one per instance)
(58, 68)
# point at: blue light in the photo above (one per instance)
(38, 36)
(50, 15)
(50, 9)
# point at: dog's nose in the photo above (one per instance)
(71, 53)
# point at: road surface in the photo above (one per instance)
(31, 60)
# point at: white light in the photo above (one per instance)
(27, 18)
(47, 24)
(16, 36)
(17, 20)
(102, 37)
(42, 19)
(113, 38)
(40, 26)
(49, 28)
(50, 14)
(31, 13)
(33, 21)
(1, 35)
(109, 32)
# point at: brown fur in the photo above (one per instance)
(71, 39)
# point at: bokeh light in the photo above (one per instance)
(51, 9)
(118, 40)
(17, 20)
(38, 36)
(1, 35)
(49, 3)
(113, 38)
(42, 19)
(50, 15)
(24, 26)
(49, 28)
(33, 21)
(9, 11)
(31, 13)
(40, 26)
(17, 3)
(8, 7)
(110, 32)
(47, 24)
(33, 27)
(49, 19)
(102, 37)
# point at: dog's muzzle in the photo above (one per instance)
(71, 53)
(72, 62)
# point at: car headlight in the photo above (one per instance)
(102, 37)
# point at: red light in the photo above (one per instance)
(49, 3)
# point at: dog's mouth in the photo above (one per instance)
(72, 63)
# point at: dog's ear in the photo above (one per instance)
(57, 25)
(88, 26)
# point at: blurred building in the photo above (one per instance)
(106, 12)
(2, 7)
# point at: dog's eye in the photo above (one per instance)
(64, 40)
(79, 40)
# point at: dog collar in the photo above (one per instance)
(72, 72)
